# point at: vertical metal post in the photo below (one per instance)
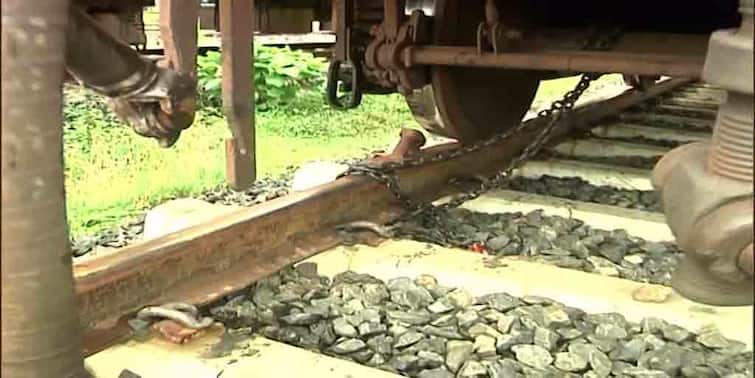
(178, 31)
(343, 11)
(237, 38)
(392, 11)
(41, 332)
(334, 15)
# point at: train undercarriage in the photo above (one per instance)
(469, 68)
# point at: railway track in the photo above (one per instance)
(563, 271)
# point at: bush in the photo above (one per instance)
(280, 75)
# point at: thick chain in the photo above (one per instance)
(556, 112)
(386, 172)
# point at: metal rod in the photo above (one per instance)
(236, 23)
(577, 61)
(102, 62)
(41, 332)
(392, 11)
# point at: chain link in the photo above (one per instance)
(386, 172)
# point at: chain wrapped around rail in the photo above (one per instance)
(386, 173)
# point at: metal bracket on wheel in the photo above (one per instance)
(492, 33)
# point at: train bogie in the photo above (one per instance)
(470, 68)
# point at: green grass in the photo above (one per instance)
(112, 173)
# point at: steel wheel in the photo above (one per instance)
(469, 104)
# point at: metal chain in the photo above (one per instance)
(556, 112)
(386, 172)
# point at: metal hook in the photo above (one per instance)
(333, 80)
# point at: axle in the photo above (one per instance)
(571, 61)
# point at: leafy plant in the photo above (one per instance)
(280, 75)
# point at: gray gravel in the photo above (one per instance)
(263, 190)
(495, 335)
(658, 120)
(643, 141)
(575, 188)
(567, 243)
(117, 237)
(658, 107)
(640, 162)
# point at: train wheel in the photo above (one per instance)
(464, 103)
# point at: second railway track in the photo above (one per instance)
(575, 233)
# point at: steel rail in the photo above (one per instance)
(204, 263)
(578, 61)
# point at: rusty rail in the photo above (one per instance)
(577, 61)
(40, 333)
(204, 263)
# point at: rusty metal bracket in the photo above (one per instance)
(384, 54)
(409, 145)
(184, 313)
(492, 35)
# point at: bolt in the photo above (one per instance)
(410, 143)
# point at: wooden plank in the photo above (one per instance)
(236, 19)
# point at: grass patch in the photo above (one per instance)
(112, 173)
